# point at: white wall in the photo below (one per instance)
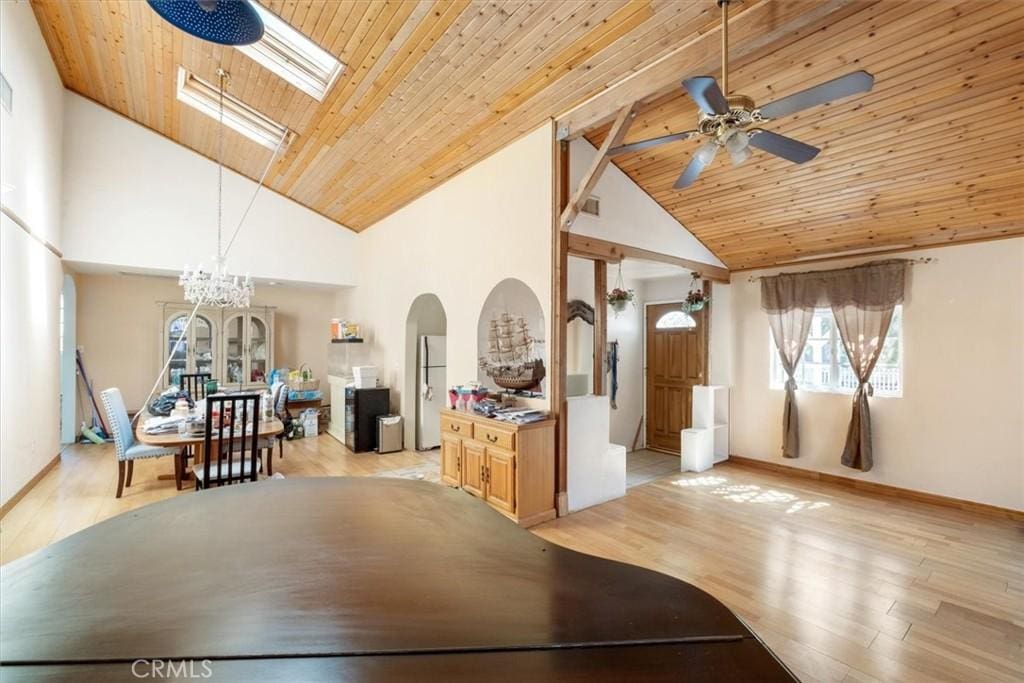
(490, 222)
(135, 199)
(627, 328)
(30, 274)
(628, 214)
(958, 429)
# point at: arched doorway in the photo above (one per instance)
(426, 380)
(68, 377)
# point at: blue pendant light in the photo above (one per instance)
(227, 22)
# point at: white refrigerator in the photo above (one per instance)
(432, 391)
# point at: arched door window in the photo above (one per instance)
(675, 320)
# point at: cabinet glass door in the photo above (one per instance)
(202, 345)
(234, 350)
(257, 350)
(179, 356)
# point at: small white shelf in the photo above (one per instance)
(707, 441)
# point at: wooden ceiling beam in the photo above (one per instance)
(597, 166)
(750, 30)
(613, 252)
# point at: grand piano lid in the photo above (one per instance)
(335, 566)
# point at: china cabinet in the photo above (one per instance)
(236, 346)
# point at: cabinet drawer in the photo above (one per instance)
(454, 425)
(492, 436)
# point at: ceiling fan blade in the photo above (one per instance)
(781, 146)
(837, 88)
(704, 155)
(705, 92)
(644, 144)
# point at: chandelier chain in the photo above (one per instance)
(218, 287)
(220, 160)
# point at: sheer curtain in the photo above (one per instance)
(789, 330)
(862, 300)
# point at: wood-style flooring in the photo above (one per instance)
(842, 585)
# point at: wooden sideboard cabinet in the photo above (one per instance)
(512, 467)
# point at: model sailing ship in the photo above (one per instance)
(511, 360)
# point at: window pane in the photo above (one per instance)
(203, 344)
(824, 365)
(675, 320)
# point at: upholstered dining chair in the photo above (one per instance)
(128, 450)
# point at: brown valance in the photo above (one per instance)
(872, 287)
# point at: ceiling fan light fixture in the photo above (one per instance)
(737, 144)
(705, 154)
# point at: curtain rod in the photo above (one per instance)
(911, 261)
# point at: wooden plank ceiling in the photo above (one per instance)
(430, 88)
(931, 156)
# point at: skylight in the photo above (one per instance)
(238, 116)
(293, 56)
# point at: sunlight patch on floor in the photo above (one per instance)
(750, 493)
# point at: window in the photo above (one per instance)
(238, 116)
(674, 320)
(825, 366)
(293, 56)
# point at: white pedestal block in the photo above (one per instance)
(698, 450)
(597, 469)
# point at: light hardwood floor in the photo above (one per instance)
(842, 585)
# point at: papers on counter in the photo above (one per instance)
(162, 425)
(519, 416)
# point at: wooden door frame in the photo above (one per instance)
(705, 341)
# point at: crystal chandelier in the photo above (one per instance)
(217, 287)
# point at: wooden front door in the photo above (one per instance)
(676, 361)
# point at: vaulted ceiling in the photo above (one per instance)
(932, 155)
(430, 88)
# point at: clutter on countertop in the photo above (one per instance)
(520, 416)
(302, 379)
(342, 330)
(365, 376)
(166, 402)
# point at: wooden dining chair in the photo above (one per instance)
(195, 384)
(127, 448)
(231, 442)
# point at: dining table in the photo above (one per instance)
(197, 442)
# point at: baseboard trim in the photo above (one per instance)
(880, 489)
(6, 507)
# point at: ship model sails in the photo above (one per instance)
(511, 360)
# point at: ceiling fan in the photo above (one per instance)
(726, 121)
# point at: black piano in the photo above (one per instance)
(353, 579)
